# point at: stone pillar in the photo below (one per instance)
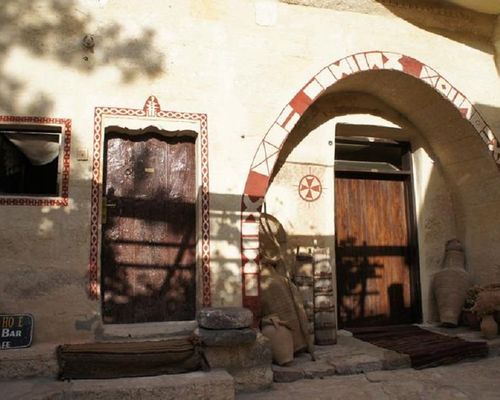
(229, 342)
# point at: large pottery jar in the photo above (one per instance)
(489, 327)
(451, 283)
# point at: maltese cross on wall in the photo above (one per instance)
(310, 188)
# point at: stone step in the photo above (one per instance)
(215, 384)
(145, 331)
(36, 361)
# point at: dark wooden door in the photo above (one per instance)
(148, 232)
(373, 251)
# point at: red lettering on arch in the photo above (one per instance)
(411, 66)
(300, 102)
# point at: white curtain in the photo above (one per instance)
(40, 149)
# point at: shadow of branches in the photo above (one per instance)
(54, 30)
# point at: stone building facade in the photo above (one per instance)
(271, 97)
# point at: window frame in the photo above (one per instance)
(63, 170)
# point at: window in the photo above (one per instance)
(30, 160)
(371, 155)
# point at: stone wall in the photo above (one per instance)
(218, 58)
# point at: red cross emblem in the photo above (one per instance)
(310, 188)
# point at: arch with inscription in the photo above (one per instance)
(269, 149)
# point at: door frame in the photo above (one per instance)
(170, 123)
(406, 176)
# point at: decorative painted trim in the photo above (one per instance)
(62, 200)
(268, 150)
(151, 109)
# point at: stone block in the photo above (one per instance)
(252, 379)
(215, 384)
(318, 369)
(250, 364)
(245, 356)
(287, 374)
(227, 337)
(225, 318)
(394, 360)
(36, 361)
(357, 364)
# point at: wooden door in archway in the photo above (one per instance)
(376, 265)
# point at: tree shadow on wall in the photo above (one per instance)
(354, 270)
(54, 30)
(148, 259)
(357, 272)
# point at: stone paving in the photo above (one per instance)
(216, 385)
(474, 380)
(351, 369)
(348, 356)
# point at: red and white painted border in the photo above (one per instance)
(151, 109)
(62, 200)
(268, 150)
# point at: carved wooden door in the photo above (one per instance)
(373, 250)
(148, 234)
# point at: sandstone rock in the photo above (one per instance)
(357, 364)
(287, 374)
(395, 360)
(252, 379)
(225, 318)
(227, 337)
(250, 364)
(245, 356)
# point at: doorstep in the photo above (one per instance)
(468, 334)
(349, 356)
(215, 384)
(353, 356)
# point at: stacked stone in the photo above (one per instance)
(229, 342)
(304, 281)
(325, 325)
(229, 326)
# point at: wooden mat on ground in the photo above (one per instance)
(127, 359)
(426, 349)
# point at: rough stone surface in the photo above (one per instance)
(252, 379)
(227, 337)
(149, 330)
(250, 364)
(216, 384)
(287, 374)
(357, 364)
(225, 318)
(394, 360)
(36, 361)
(469, 381)
(319, 370)
(250, 355)
(349, 356)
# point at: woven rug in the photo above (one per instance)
(107, 360)
(426, 349)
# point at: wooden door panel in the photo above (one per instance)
(372, 251)
(148, 244)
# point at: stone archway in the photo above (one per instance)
(269, 149)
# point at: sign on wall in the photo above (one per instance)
(16, 330)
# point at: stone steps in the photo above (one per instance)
(215, 384)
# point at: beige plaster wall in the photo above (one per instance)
(202, 56)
